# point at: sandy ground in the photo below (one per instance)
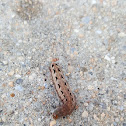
(88, 37)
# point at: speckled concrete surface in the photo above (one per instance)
(88, 37)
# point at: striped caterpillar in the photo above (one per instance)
(63, 91)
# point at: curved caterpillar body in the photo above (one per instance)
(63, 91)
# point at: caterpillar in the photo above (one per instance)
(64, 92)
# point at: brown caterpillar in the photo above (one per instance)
(63, 91)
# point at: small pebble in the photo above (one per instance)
(99, 32)
(115, 124)
(76, 91)
(81, 35)
(102, 116)
(18, 88)
(95, 117)
(67, 74)
(19, 81)
(72, 50)
(124, 48)
(103, 105)
(18, 76)
(85, 114)
(39, 119)
(1, 123)
(1, 90)
(124, 124)
(11, 84)
(4, 85)
(28, 73)
(91, 107)
(70, 120)
(107, 58)
(85, 104)
(31, 77)
(93, 1)
(122, 34)
(70, 69)
(5, 62)
(12, 94)
(121, 108)
(76, 30)
(90, 87)
(81, 73)
(124, 96)
(90, 73)
(41, 87)
(84, 69)
(112, 57)
(85, 20)
(13, 15)
(112, 78)
(52, 123)
(117, 119)
(113, 61)
(75, 53)
(45, 85)
(3, 95)
(121, 119)
(3, 118)
(25, 22)
(11, 73)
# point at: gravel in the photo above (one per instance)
(88, 38)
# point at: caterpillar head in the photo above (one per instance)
(58, 112)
